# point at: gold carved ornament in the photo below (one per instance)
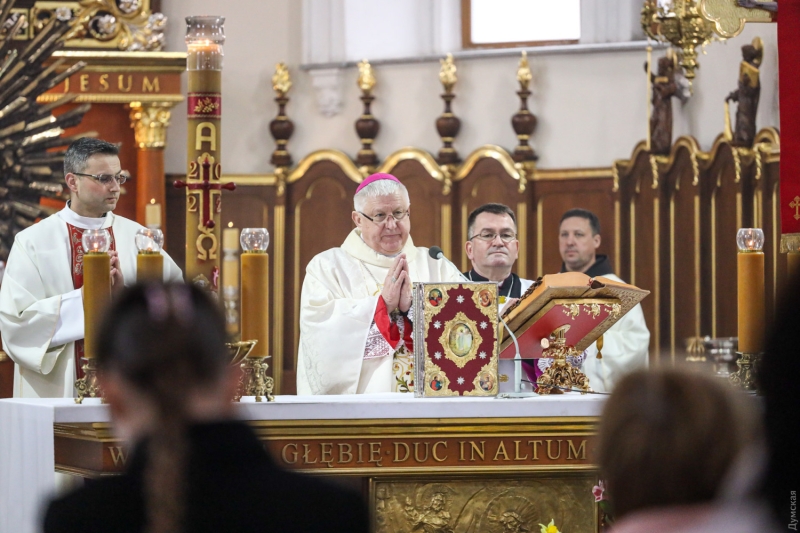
(524, 75)
(281, 82)
(680, 24)
(728, 18)
(447, 73)
(366, 77)
(149, 122)
(460, 339)
(560, 375)
(104, 24)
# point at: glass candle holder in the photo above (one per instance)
(254, 239)
(204, 39)
(149, 240)
(750, 239)
(96, 241)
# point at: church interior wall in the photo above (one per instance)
(591, 105)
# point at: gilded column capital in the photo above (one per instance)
(149, 121)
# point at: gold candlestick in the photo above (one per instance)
(255, 312)
(96, 296)
(752, 307)
(149, 261)
(204, 39)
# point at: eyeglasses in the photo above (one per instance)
(380, 218)
(105, 179)
(489, 236)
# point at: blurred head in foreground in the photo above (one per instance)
(163, 360)
(164, 366)
(777, 383)
(674, 438)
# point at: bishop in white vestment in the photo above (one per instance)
(41, 305)
(352, 337)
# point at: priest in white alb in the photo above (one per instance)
(355, 332)
(41, 301)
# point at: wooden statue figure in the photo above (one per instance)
(664, 88)
(747, 93)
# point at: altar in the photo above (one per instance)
(486, 463)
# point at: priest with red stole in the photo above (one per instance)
(355, 328)
(41, 299)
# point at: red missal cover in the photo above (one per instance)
(588, 305)
(456, 339)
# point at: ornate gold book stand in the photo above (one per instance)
(559, 316)
(561, 375)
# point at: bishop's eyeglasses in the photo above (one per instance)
(489, 236)
(105, 179)
(380, 218)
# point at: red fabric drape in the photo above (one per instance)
(789, 82)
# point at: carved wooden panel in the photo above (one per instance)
(727, 211)
(640, 191)
(681, 300)
(427, 200)
(775, 262)
(486, 505)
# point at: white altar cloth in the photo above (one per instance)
(27, 459)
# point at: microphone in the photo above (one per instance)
(436, 253)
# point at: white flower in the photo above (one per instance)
(484, 325)
(106, 24)
(437, 324)
(482, 355)
(460, 299)
(460, 380)
(438, 355)
(63, 13)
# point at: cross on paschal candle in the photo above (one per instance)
(209, 187)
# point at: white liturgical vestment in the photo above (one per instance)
(41, 312)
(337, 306)
(625, 348)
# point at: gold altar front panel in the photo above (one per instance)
(471, 504)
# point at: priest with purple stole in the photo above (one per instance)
(41, 301)
(355, 329)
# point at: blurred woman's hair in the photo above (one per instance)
(777, 383)
(167, 342)
(670, 437)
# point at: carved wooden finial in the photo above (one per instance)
(367, 126)
(281, 127)
(523, 121)
(448, 124)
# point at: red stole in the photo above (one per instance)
(788, 67)
(76, 266)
